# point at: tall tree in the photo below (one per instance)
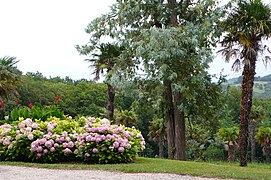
(105, 59)
(168, 39)
(246, 26)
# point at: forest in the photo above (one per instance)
(155, 79)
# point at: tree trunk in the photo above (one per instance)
(267, 152)
(179, 121)
(111, 101)
(252, 129)
(161, 146)
(245, 108)
(169, 116)
(231, 153)
(180, 144)
(173, 16)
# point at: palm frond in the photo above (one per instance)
(229, 53)
(236, 66)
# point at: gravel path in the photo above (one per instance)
(32, 173)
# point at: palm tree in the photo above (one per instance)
(157, 132)
(257, 113)
(230, 137)
(126, 117)
(106, 60)
(9, 78)
(246, 26)
(264, 138)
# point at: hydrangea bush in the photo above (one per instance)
(88, 139)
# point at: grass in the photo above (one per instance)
(151, 165)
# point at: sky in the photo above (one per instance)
(42, 34)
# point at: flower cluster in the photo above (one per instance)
(54, 140)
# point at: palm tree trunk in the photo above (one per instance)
(245, 108)
(111, 101)
(231, 153)
(169, 117)
(252, 129)
(267, 152)
(180, 144)
(161, 146)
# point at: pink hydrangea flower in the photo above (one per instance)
(35, 125)
(67, 151)
(95, 150)
(48, 144)
(121, 149)
(50, 127)
(88, 138)
(52, 149)
(45, 151)
(65, 145)
(115, 144)
(62, 139)
(87, 154)
(39, 149)
(28, 129)
(30, 136)
(70, 144)
(68, 139)
(28, 122)
(128, 146)
(33, 148)
(98, 140)
(42, 141)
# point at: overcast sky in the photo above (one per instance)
(42, 34)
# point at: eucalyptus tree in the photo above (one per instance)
(168, 41)
(105, 59)
(247, 24)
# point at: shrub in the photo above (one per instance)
(88, 139)
(214, 152)
(36, 112)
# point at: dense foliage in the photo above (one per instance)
(91, 140)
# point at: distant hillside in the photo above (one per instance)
(262, 85)
(238, 80)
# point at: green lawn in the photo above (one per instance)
(219, 169)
